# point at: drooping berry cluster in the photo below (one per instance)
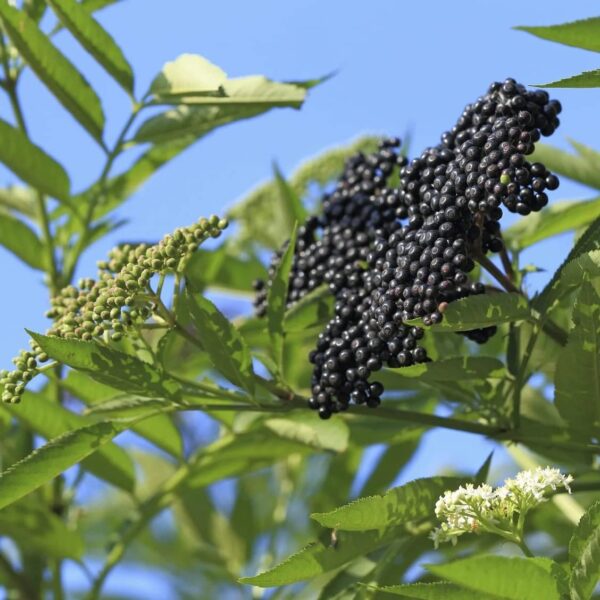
(118, 300)
(450, 198)
(331, 247)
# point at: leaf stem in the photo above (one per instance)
(524, 548)
(551, 329)
(497, 274)
(101, 189)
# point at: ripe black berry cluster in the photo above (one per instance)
(331, 248)
(421, 240)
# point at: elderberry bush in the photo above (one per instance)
(393, 253)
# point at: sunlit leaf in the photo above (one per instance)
(577, 377)
(306, 427)
(31, 164)
(95, 39)
(51, 420)
(189, 74)
(222, 342)
(245, 97)
(584, 554)
(554, 220)
(50, 460)
(277, 295)
(22, 241)
(432, 591)
(56, 71)
(509, 578)
(483, 311)
(581, 34)
(408, 502)
(583, 166)
(121, 371)
(224, 269)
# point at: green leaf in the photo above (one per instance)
(158, 429)
(577, 377)
(188, 74)
(570, 277)
(483, 311)
(583, 166)
(587, 79)
(31, 164)
(484, 471)
(584, 554)
(38, 530)
(35, 9)
(311, 310)
(393, 460)
(51, 66)
(245, 97)
(581, 34)
(277, 295)
(432, 591)
(108, 366)
(19, 199)
(307, 428)
(329, 164)
(511, 578)
(234, 455)
(254, 91)
(323, 556)
(414, 500)
(577, 268)
(50, 420)
(289, 196)
(120, 188)
(52, 459)
(222, 342)
(22, 242)
(224, 269)
(95, 39)
(265, 218)
(96, 5)
(554, 220)
(457, 368)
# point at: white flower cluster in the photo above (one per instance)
(471, 509)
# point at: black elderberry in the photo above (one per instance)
(419, 240)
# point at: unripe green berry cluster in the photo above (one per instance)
(119, 299)
(26, 368)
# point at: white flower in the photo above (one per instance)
(531, 487)
(477, 509)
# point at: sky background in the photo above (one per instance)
(402, 66)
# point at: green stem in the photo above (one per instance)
(497, 274)
(54, 284)
(100, 193)
(428, 420)
(550, 328)
(521, 378)
(57, 587)
(16, 579)
(10, 85)
(146, 512)
(524, 548)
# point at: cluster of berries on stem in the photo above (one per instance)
(119, 300)
(397, 239)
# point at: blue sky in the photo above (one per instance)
(402, 66)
